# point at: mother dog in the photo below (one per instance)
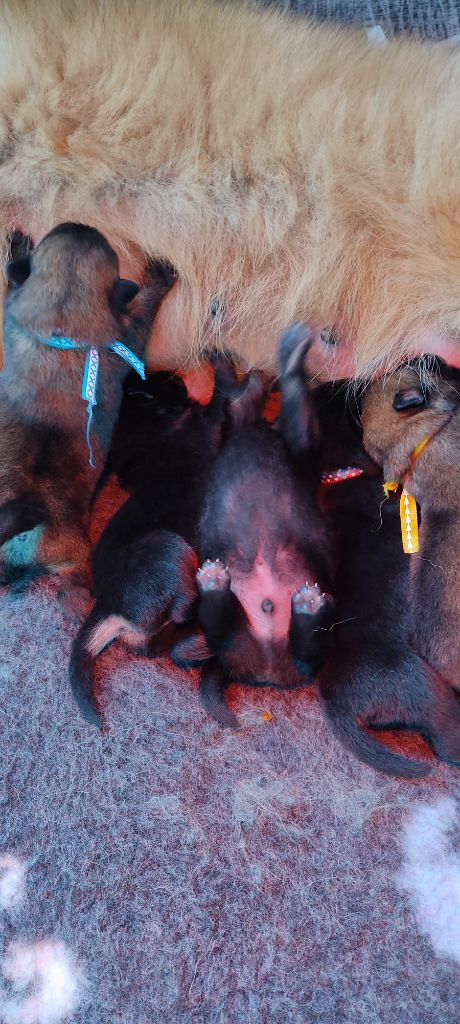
(288, 170)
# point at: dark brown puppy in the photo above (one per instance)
(397, 417)
(372, 680)
(69, 286)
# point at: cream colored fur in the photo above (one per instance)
(295, 171)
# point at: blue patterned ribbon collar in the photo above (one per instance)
(91, 372)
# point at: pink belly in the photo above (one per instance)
(258, 586)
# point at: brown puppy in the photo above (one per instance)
(68, 287)
(398, 416)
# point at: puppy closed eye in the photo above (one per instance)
(411, 400)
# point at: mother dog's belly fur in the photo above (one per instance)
(299, 173)
(170, 350)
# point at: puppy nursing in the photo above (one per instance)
(274, 548)
(228, 552)
(253, 517)
(66, 301)
(144, 565)
(264, 586)
(374, 679)
(412, 429)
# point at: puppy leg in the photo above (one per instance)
(419, 698)
(65, 550)
(18, 517)
(217, 604)
(312, 616)
(363, 692)
(298, 422)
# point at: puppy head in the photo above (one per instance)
(69, 284)
(410, 404)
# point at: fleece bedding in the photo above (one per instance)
(168, 871)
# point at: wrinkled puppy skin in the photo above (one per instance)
(68, 285)
(396, 418)
(373, 679)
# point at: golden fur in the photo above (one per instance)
(293, 171)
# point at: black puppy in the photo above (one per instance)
(144, 564)
(373, 679)
(267, 560)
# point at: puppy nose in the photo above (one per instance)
(267, 605)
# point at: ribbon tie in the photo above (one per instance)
(408, 506)
(91, 372)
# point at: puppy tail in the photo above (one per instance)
(19, 516)
(96, 633)
(362, 744)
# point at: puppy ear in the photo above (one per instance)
(412, 398)
(17, 271)
(191, 651)
(124, 292)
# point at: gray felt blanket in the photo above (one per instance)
(168, 871)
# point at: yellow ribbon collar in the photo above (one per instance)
(408, 506)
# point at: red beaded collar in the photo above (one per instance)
(336, 476)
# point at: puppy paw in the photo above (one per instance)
(308, 600)
(212, 576)
(163, 273)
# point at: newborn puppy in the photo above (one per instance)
(68, 288)
(264, 548)
(152, 408)
(373, 680)
(411, 409)
(144, 563)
